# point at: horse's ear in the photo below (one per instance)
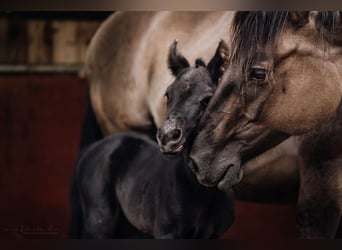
(218, 64)
(176, 60)
(299, 18)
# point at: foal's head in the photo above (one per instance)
(188, 96)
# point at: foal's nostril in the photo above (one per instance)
(175, 134)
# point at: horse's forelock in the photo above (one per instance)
(329, 20)
(261, 28)
(253, 29)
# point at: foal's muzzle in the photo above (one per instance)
(170, 138)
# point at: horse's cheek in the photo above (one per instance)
(300, 112)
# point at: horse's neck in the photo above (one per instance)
(289, 147)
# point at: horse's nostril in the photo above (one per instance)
(175, 134)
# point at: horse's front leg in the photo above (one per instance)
(319, 201)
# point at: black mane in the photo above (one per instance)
(261, 28)
(252, 28)
(330, 26)
(330, 20)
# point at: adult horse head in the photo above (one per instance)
(188, 96)
(284, 78)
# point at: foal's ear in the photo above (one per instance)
(218, 64)
(176, 60)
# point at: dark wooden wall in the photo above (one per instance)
(41, 114)
(40, 122)
(47, 38)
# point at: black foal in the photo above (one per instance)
(125, 188)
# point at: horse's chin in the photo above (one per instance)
(224, 179)
(233, 175)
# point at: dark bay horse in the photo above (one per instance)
(127, 188)
(284, 79)
(128, 78)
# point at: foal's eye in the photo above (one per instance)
(257, 73)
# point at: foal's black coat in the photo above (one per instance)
(147, 195)
(125, 188)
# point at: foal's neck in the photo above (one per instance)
(186, 174)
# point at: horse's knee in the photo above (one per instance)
(317, 219)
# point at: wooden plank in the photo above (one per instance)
(16, 44)
(65, 42)
(39, 41)
(20, 69)
(85, 31)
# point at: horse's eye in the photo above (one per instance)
(257, 73)
(205, 101)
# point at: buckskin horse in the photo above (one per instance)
(284, 79)
(125, 188)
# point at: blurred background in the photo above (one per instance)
(42, 103)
